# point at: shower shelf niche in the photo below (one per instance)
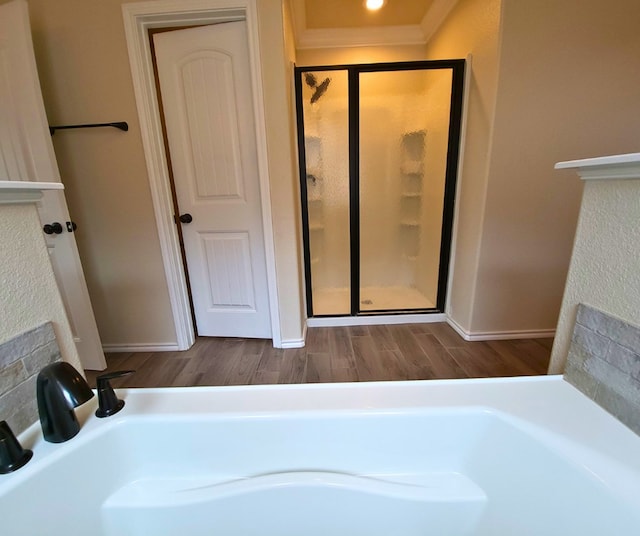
(412, 150)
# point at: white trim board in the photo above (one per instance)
(499, 335)
(619, 166)
(375, 320)
(139, 17)
(19, 192)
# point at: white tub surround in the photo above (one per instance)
(605, 263)
(525, 456)
(29, 294)
(29, 299)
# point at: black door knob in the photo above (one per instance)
(186, 218)
(52, 228)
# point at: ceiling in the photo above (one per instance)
(353, 14)
(340, 23)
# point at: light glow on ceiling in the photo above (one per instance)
(374, 4)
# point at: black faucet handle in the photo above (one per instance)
(113, 375)
(108, 402)
(12, 455)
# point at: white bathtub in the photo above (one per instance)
(474, 457)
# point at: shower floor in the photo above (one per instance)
(335, 301)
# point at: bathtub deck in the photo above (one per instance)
(525, 456)
(359, 353)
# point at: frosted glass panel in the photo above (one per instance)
(404, 128)
(326, 143)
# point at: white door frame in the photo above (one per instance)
(139, 17)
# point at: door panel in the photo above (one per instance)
(26, 154)
(206, 95)
(217, 167)
(228, 263)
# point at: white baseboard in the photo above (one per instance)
(499, 335)
(295, 343)
(335, 321)
(142, 347)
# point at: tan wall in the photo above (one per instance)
(472, 27)
(84, 71)
(605, 262)
(567, 89)
(29, 294)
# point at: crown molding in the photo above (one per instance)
(361, 37)
(435, 16)
(418, 34)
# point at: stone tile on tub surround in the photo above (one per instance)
(11, 376)
(619, 406)
(604, 363)
(21, 358)
(597, 344)
(25, 343)
(581, 379)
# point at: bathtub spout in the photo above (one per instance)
(60, 389)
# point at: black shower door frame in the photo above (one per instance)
(457, 67)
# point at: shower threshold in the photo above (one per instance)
(336, 301)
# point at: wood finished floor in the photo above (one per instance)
(343, 354)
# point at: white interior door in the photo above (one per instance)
(26, 154)
(206, 95)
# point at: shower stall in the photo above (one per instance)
(378, 147)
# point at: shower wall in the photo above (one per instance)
(404, 122)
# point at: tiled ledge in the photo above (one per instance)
(12, 192)
(620, 166)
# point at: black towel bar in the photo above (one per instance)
(122, 125)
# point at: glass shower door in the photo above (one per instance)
(324, 96)
(378, 161)
(403, 143)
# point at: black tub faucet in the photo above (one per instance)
(60, 389)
